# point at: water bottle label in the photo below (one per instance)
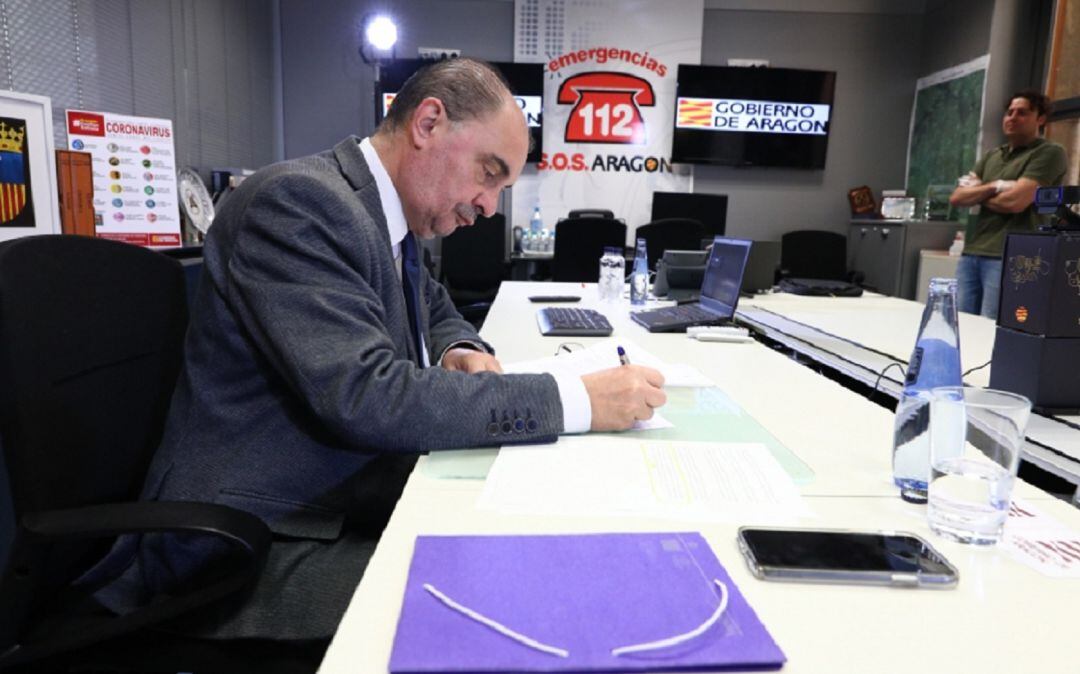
(933, 363)
(913, 366)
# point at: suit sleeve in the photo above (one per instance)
(312, 291)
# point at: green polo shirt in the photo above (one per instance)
(1041, 161)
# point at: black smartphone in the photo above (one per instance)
(554, 298)
(840, 556)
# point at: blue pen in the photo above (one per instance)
(623, 358)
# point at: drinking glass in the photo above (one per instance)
(975, 440)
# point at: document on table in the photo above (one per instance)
(604, 355)
(609, 476)
(1041, 542)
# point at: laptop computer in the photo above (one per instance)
(719, 292)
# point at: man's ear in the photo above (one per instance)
(426, 119)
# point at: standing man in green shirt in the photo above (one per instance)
(1001, 191)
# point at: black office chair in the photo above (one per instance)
(670, 233)
(579, 243)
(813, 254)
(591, 213)
(474, 265)
(91, 334)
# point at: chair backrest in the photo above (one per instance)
(813, 253)
(579, 243)
(591, 213)
(91, 335)
(473, 258)
(670, 233)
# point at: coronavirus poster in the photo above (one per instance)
(134, 168)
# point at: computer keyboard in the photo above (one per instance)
(572, 322)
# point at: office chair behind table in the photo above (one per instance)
(814, 254)
(670, 233)
(474, 265)
(91, 333)
(591, 213)
(579, 243)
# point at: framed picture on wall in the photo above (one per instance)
(862, 201)
(28, 201)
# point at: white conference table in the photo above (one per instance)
(860, 337)
(1003, 616)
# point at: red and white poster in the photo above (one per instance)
(134, 167)
(609, 103)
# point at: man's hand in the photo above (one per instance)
(971, 191)
(470, 361)
(622, 395)
(1013, 196)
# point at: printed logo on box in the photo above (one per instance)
(85, 123)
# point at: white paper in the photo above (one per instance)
(604, 355)
(1041, 542)
(609, 476)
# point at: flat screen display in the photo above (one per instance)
(526, 82)
(737, 116)
(708, 209)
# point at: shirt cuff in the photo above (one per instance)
(463, 344)
(576, 409)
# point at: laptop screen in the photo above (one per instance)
(723, 276)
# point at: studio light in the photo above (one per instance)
(381, 33)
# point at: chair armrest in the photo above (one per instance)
(114, 519)
(242, 530)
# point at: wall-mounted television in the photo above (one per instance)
(526, 82)
(737, 116)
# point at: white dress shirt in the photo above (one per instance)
(577, 411)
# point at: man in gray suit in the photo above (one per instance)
(307, 365)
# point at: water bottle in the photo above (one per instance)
(639, 276)
(612, 265)
(934, 362)
(536, 223)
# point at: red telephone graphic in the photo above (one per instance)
(607, 108)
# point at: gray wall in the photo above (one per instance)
(876, 57)
(328, 89)
(954, 32)
(1014, 34)
(205, 64)
(1017, 58)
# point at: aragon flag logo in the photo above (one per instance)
(15, 195)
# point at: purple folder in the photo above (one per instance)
(586, 594)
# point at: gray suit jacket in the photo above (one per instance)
(299, 368)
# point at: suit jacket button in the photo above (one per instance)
(531, 425)
(493, 428)
(507, 426)
(519, 425)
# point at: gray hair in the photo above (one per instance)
(468, 88)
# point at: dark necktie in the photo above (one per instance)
(410, 281)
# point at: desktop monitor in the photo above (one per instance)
(708, 209)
